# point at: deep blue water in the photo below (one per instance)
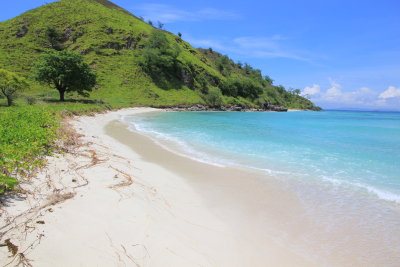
(349, 148)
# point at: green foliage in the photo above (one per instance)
(54, 37)
(268, 80)
(159, 58)
(7, 183)
(214, 97)
(224, 65)
(11, 84)
(244, 87)
(66, 71)
(26, 137)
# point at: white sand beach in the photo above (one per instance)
(121, 200)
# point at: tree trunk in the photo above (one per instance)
(62, 93)
(9, 100)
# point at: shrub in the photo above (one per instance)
(11, 84)
(214, 97)
(26, 136)
(244, 87)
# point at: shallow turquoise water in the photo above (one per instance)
(358, 149)
(343, 168)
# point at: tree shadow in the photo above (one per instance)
(81, 101)
(10, 197)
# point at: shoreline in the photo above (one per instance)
(120, 198)
(109, 204)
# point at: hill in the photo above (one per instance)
(136, 63)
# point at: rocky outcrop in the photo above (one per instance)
(22, 31)
(109, 30)
(187, 78)
(67, 34)
(269, 107)
(131, 42)
(237, 108)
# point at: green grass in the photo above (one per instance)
(28, 134)
(121, 81)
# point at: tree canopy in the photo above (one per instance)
(244, 87)
(11, 84)
(66, 71)
(54, 37)
(159, 58)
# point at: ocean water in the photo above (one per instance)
(359, 149)
(344, 167)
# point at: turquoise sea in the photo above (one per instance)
(359, 149)
(344, 166)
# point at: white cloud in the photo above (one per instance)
(335, 94)
(391, 92)
(168, 14)
(312, 91)
(364, 97)
(251, 47)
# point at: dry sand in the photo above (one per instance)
(122, 200)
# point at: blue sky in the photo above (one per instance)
(342, 54)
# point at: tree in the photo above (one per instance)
(11, 84)
(160, 24)
(66, 71)
(244, 87)
(268, 80)
(160, 58)
(54, 37)
(296, 91)
(150, 22)
(180, 35)
(214, 97)
(224, 65)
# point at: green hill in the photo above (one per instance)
(136, 63)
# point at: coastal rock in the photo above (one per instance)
(236, 108)
(269, 107)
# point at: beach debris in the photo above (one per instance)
(13, 249)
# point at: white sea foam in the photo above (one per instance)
(181, 147)
(381, 194)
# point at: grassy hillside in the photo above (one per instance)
(135, 63)
(115, 43)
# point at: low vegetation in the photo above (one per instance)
(28, 134)
(10, 85)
